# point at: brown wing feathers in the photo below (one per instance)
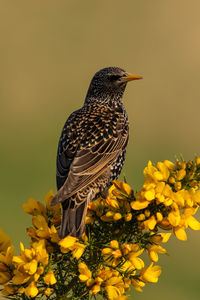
(91, 162)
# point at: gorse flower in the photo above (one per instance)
(5, 241)
(71, 243)
(5, 264)
(49, 278)
(150, 274)
(109, 257)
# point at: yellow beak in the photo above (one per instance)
(130, 77)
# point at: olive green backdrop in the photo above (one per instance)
(49, 50)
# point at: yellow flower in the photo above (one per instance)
(113, 292)
(116, 253)
(165, 236)
(172, 180)
(168, 199)
(193, 223)
(113, 203)
(42, 229)
(135, 260)
(149, 195)
(137, 284)
(98, 280)
(20, 277)
(53, 212)
(85, 273)
(149, 170)
(181, 197)
(127, 282)
(47, 291)
(188, 220)
(49, 278)
(197, 160)
(178, 186)
(8, 289)
(161, 173)
(147, 213)
(70, 243)
(24, 261)
(47, 199)
(181, 174)
(140, 203)
(104, 272)
(161, 237)
(163, 170)
(123, 188)
(31, 267)
(154, 187)
(154, 250)
(195, 196)
(6, 258)
(150, 274)
(34, 208)
(28, 263)
(5, 241)
(126, 248)
(180, 233)
(41, 252)
(108, 217)
(54, 234)
(117, 216)
(5, 263)
(150, 223)
(128, 267)
(128, 217)
(106, 251)
(174, 217)
(31, 290)
(164, 224)
(112, 254)
(95, 289)
(170, 165)
(112, 287)
(4, 274)
(114, 244)
(159, 216)
(84, 237)
(78, 250)
(67, 242)
(89, 219)
(141, 217)
(21, 290)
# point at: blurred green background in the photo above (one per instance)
(49, 50)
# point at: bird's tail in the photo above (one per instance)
(73, 218)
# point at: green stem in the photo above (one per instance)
(60, 274)
(67, 289)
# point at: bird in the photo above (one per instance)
(91, 149)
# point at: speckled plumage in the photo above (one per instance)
(91, 149)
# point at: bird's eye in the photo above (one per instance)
(114, 77)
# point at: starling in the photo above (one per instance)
(91, 149)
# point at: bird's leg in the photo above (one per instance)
(104, 193)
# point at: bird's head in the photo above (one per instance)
(109, 84)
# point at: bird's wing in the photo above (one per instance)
(104, 138)
(67, 146)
